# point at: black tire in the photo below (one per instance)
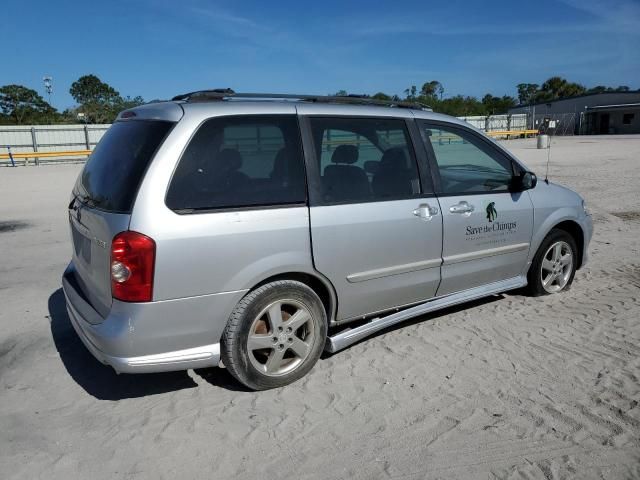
(244, 364)
(535, 285)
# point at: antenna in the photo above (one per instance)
(546, 173)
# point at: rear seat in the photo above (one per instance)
(342, 179)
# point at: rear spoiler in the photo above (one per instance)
(167, 111)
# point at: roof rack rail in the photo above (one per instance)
(220, 94)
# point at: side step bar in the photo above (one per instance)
(348, 337)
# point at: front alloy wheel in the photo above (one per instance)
(554, 264)
(557, 267)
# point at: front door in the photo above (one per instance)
(487, 228)
(376, 226)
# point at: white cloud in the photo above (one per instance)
(219, 15)
(612, 14)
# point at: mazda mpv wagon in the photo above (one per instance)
(255, 231)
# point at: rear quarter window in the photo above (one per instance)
(113, 173)
(234, 162)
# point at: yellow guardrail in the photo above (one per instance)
(508, 133)
(68, 153)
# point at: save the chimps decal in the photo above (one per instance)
(491, 229)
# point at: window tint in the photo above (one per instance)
(363, 160)
(238, 162)
(466, 164)
(113, 173)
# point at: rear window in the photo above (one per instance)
(113, 173)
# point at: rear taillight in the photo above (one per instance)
(133, 257)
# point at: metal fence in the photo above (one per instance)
(18, 141)
(49, 138)
(557, 124)
(494, 123)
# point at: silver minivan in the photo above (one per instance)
(255, 231)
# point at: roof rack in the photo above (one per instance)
(220, 94)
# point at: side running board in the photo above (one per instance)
(348, 337)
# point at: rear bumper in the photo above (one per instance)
(199, 357)
(151, 337)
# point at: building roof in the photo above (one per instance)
(614, 107)
(632, 92)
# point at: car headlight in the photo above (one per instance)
(585, 208)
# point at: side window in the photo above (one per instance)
(239, 162)
(466, 165)
(363, 160)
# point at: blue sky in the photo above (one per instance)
(158, 48)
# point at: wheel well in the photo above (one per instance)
(314, 283)
(573, 229)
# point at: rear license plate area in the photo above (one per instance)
(81, 244)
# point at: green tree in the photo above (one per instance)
(381, 96)
(98, 100)
(432, 89)
(598, 89)
(127, 102)
(340, 93)
(411, 92)
(497, 105)
(527, 92)
(90, 89)
(603, 89)
(20, 105)
(555, 88)
(460, 106)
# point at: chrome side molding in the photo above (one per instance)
(490, 252)
(394, 270)
(348, 337)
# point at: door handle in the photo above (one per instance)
(425, 211)
(462, 207)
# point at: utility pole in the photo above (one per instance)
(48, 87)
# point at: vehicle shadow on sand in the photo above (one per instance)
(100, 380)
(426, 318)
(103, 383)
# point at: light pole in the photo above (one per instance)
(48, 86)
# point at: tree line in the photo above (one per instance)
(96, 102)
(99, 102)
(555, 88)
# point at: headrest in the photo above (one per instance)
(229, 159)
(280, 163)
(394, 157)
(345, 154)
(371, 166)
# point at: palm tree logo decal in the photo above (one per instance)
(492, 214)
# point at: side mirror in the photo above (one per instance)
(526, 181)
(529, 180)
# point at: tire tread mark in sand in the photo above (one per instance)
(12, 225)
(504, 453)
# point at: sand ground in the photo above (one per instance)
(507, 387)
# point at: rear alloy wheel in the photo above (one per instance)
(280, 337)
(554, 265)
(275, 335)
